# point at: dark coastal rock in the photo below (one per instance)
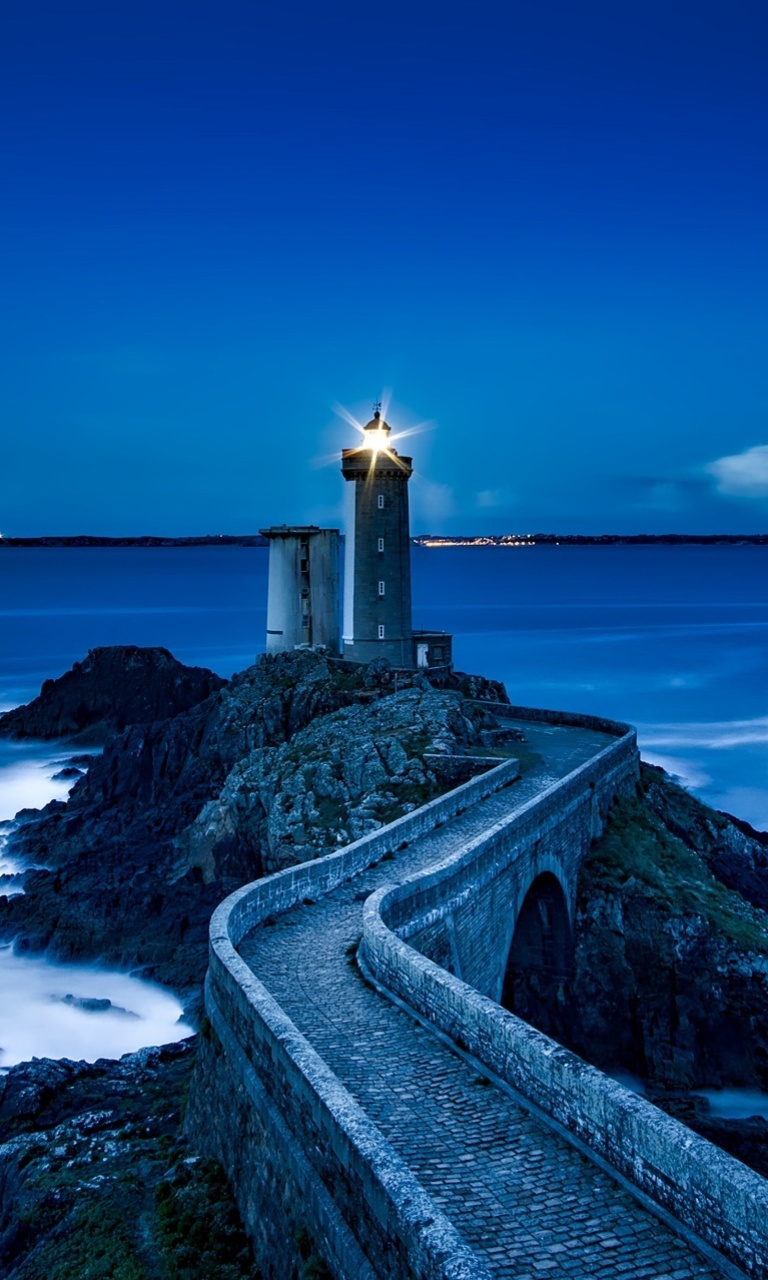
(670, 973)
(471, 686)
(95, 1172)
(95, 1004)
(381, 677)
(177, 813)
(32, 815)
(110, 689)
(48, 1091)
(733, 851)
(68, 774)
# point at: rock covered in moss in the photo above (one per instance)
(670, 972)
(97, 1178)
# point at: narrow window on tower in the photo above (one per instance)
(381, 587)
(381, 630)
(381, 502)
(381, 544)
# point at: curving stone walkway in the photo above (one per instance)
(523, 1198)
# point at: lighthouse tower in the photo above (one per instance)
(377, 561)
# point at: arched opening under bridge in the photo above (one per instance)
(541, 954)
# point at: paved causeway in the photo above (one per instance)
(527, 1202)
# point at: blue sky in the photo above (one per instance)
(540, 228)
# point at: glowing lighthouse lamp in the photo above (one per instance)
(377, 442)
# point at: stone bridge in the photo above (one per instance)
(365, 1089)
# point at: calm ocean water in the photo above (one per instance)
(674, 639)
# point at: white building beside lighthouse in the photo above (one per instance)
(303, 591)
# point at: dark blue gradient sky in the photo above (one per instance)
(543, 226)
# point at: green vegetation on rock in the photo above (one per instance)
(636, 845)
(198, 1229)
(670, 969)
(100, 1184)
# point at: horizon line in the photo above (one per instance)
(518, 538)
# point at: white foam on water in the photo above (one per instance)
(34, 1019)
(27, 781)
(36, 1022)
(26, 775)
(11, 871)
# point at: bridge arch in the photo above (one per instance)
(541, 951)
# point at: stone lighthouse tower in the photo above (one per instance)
(377, 563)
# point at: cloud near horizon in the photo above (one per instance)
(742, 475)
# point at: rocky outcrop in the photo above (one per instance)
(110, 689)
(670, 974)
(667, 896)
(276, 766)
(342, 776)
(733, 851)
(93, 1164)
(97, 1178)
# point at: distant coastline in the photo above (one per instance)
(423, 540)
(89, 540)
(594, 540)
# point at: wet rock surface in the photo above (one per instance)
(70, 773)
(96, 1004)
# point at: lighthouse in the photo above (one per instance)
(377, 560)
(303, 590)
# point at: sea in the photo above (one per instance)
(673, 639)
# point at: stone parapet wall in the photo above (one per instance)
(479, 893)
(714, 1196)
(248, 907)
(265, 1066)
(287, 1209)
(573, 719)
(375, 1197)
(587, 794)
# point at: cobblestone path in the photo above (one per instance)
(528, 1203)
